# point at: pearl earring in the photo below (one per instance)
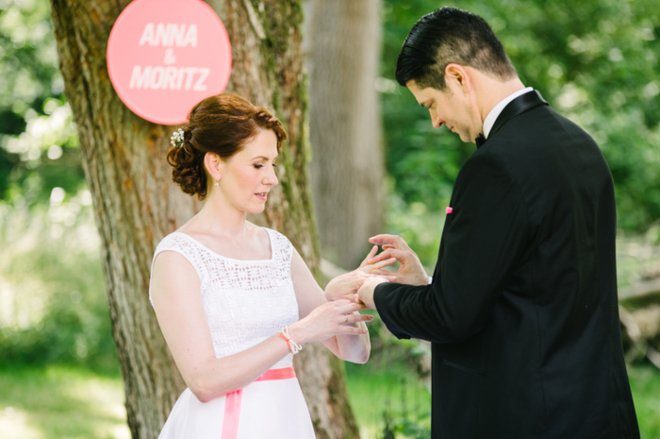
(217, 183)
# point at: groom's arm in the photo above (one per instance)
(483, 238)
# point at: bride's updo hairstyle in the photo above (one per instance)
(220, 124)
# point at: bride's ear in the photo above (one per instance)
(214, 165)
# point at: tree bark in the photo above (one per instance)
(348, 171)
(136, 204)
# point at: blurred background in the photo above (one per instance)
(594, 61)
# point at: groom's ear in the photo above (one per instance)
(457, 77)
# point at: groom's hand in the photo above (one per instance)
(410, 270)
(345, 286)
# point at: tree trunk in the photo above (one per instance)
(343, 39)
(136, 204)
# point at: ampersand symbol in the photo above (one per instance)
(170, 57)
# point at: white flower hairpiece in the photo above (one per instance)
(176, 140)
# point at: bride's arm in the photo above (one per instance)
(354, 348)
(178, 305)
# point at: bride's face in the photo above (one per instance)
(249, 175)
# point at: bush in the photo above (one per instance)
(55, 292)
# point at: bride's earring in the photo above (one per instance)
(217, 182)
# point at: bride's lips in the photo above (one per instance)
(263, 196)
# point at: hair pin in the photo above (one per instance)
(176, 140)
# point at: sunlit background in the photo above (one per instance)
(595, 61)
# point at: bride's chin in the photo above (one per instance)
(257, 210)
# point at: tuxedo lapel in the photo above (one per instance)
(517, 106)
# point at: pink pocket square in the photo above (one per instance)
(449, 210)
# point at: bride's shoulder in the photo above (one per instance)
(175, 241)
(274, 237)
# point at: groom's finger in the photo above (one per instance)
(379, 257)
(401, 256)
(383, 239)
(390, 275)
(389, 240)
(380, 264)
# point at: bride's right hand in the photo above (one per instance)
(338, 317)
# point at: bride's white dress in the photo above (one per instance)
(245, 301)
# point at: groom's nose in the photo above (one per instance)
(436, 120)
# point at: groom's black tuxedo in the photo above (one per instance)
(522, 311)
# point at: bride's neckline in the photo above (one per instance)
(210, 250)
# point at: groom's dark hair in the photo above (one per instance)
(450, 35)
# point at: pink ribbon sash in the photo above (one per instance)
(233, 401)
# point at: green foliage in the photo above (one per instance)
(645, 384)
(596, 62)
(406, 425)
(391, 391)
(38, 144)
(418, 225)
(54, 305)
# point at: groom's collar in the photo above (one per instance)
(526, 100)
(491, 117)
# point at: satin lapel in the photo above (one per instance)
(515, 107)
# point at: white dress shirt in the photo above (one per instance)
(497, 109)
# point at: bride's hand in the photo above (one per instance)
(345, 286)
(329, 319)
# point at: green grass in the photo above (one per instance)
(55, 402)
(645, 384)
(60, 402)
(393, 390)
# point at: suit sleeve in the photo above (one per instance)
(482, 240)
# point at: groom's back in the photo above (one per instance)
(550, 363)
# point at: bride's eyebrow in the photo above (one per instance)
(263, 157)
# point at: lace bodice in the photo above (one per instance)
(245, 301)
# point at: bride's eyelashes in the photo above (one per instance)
(261, 165)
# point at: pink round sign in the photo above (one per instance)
(164, 56)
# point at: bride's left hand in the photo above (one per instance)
(345, 286)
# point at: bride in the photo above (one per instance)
(236, 301)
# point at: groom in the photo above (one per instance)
(522, 306)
